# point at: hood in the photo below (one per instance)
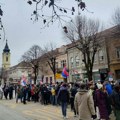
(81, 92)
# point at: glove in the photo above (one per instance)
(94, 116)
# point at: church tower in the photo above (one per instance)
(6, 57)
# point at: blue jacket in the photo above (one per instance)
(109, 88)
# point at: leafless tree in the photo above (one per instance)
(50, 54)
(84, 35)
(116, 22)
(32, 57)
(116, 17)
(56, 10)
(2, 30)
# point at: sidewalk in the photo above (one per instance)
(34, 111)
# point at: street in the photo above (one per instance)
(9, 110)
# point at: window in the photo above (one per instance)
(96, 57)
(56, 64)
(6, 59)
(46, 79)
(77, 60)
(101, 57)
(71, 61)
(118, 52)
(50, 79)
(63, 62)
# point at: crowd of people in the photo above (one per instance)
(87, 100)
(7, 91)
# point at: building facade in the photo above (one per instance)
(14, 74)
(46, 74)
(77, 71)
(112, 38)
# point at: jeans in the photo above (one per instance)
(53, 99)
(18, 97)
(64, 108)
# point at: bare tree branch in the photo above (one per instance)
(84, 35)
(50, 53)
(116, 21)
(58, 12)
(32, 57)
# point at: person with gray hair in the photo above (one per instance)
(84, 104)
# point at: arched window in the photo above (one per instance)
(101, 57)
(6, 59)
(63, 62)
(77, 60)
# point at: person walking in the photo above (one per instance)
(18, 94)
(115, 98)
(63, 96)
(102, 102)
(10, 89)
(84, 104)
(24, 94)
(73, 92)
(6, 91)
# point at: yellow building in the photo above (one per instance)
(6, 57)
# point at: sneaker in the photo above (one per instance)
(66, 117)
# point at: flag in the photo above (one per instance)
(23, 81)
(65, 74)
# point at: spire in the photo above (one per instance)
(6, 49)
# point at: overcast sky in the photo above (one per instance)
(22, 33)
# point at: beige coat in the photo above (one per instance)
(84, 105)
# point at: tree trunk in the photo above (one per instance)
(54, 78)
(35, 79)
(90, 74)
(65, 80)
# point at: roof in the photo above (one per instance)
(111, 32)
(6, 48)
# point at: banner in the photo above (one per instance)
(23, 80)
(65, 73)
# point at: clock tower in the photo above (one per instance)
(6, 57)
